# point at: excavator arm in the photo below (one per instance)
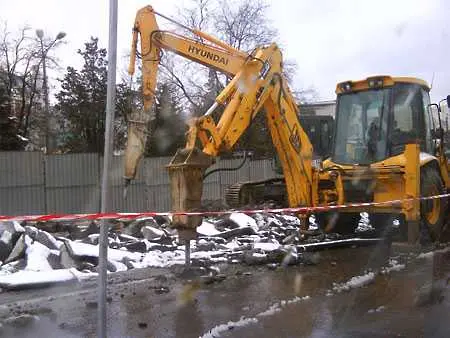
(257, 86)
(260, 86)
(207, 50)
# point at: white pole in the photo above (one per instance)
(107, 156)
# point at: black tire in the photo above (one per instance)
(433, 212)
(341, 223)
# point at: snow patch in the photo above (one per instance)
(20, 137)
(364, 223)
(82, 249)
(270, 311)
(291, 219)
(6, 236)
(243, 220)
(393, 265)
(428, 255)
(119, 266)
(273, 309)
(234, 244)
(219, 329)
(355, 282)
(378, 309)
(207, 229)
(37, 255)
(266, 246)
(158, 259)
(273, 220)
(28, 278)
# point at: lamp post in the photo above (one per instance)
(49, 141)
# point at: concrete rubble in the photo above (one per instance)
(68, 251)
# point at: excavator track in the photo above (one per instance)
(255, 192)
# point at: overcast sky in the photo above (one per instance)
(330, 40)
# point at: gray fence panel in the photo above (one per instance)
(72, 183)
(71, 170)
(22, 183)
(73, 199)
(158, 198)
(155, 170)
(22, 200)
(136, 200)
(21, 169)
(261, 169)
(212, 192)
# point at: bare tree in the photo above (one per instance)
(244, 24)
(20, 64)
(190, 85)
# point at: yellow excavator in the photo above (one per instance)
(383, 154)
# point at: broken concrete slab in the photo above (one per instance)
(77, 233)
(9, 234)
(134, 227)
(243, 231)
(243, 220)
(48, 240)
(162, 220)
(67, 261)
(115, 266)
(30, 279)
(255, 258)
(266, 246)
(12, 227)
(18, 251)
(80, 250)
(151, 233)
(207, 229)
(138, 246)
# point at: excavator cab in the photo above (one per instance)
(389, 146)
(377, 118)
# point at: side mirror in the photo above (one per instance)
(434, 105)
(448, 101)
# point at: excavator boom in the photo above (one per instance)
(207, 50)
(257, 86)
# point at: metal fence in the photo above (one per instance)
(34, 183)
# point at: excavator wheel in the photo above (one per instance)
(342, 223)
(433, 212)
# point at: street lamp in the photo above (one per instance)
(49, 141)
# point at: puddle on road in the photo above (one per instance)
(137, 310)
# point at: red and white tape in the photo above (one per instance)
(134, 215)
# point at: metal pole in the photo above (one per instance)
(46, 104)
(187, 253)
(107, 156)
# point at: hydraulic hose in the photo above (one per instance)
(227, 169)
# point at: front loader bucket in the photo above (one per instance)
(186, 170)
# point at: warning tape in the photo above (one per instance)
(134, 215)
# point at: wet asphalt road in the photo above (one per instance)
(413, 302)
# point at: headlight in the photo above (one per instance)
(346, 86)
(375, 83)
